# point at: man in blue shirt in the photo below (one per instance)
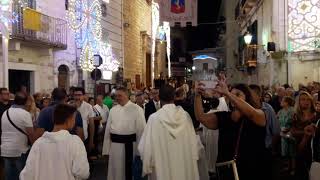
(45, 119)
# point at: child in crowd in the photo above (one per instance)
(285, 116)
(58, 154)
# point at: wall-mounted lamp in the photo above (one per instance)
(247, 38)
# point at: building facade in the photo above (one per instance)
(138, 59)
(31, 52)
(66, 62)
(291, 24)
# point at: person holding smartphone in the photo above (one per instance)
(241, 130)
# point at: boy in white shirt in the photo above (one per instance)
(58, 154)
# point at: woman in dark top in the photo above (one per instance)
(245, 114)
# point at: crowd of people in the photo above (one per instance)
(167, 133)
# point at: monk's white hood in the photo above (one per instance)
(56, 136)
(173, 118)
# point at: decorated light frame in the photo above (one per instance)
(303, 25)
(84, 18)
(164, 35)
(155, 26)
(110, 62)
(8, 17)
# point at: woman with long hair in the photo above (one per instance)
(32, 109)
(241, 131)
(305, 114)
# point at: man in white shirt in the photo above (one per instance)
(124, 129)
(102, 109)
(88, 115)
(168, 146)
(58, 154)
(15, 135)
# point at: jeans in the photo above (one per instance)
(13, 166)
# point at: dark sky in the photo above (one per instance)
(204, 36)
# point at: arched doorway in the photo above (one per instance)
(63, 77)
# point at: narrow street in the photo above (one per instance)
(98, 170)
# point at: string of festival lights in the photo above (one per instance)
(85, 20)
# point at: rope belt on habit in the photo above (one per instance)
(127, 140)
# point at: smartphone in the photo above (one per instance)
(208, 86)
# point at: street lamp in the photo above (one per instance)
(247, 38)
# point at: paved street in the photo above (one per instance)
(98, 170)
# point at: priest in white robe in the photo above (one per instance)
(124, 129)
(168, 147)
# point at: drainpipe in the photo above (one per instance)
(5, 51)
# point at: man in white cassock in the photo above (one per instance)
(123, 132)
(168, 147)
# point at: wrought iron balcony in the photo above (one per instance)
(53, 32)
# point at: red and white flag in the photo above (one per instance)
(179, 11)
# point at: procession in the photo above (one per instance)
(160, 90)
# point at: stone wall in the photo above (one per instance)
(137, 20)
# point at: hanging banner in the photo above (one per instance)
(31, 19)
(179, 11)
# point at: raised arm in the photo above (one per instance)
(209, 120)
(257, 116)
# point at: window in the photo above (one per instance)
(205, 66)
(104, 9)
(67, 4)
(304, 25)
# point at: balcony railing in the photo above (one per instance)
(53, 32)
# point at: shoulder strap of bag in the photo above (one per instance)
(15, 126)
(236, 152)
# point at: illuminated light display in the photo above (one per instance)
(304, 25)
(110, 63)
(84, 18)
(6, 15)
(86, 58)
(155, 26)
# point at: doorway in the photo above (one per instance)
(148, 70)
(63, 77)
(19, 78)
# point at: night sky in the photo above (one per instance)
(204, 36)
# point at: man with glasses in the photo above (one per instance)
(153, 105)
(87, 115)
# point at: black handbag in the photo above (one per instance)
(15, 126)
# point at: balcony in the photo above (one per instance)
(53, 32)
(246, 10)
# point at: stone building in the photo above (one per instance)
(67, 70)
(31, 53)
(138, 44)
(296, 59)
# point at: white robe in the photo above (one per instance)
(168, 147)
(123, 120)
(56, 155)
(210, 138)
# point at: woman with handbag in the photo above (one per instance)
(241, 131)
